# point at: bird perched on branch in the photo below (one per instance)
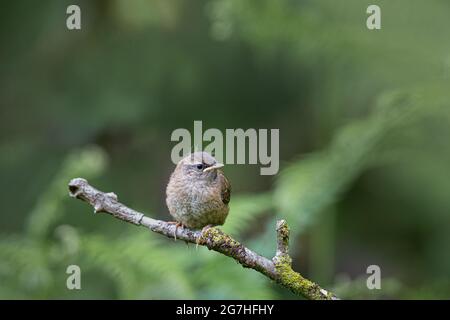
(198, 192)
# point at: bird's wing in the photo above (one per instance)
(226, 189)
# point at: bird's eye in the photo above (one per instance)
(200, 166)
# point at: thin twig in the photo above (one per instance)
(278, 269)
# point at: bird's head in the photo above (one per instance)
(199, 166)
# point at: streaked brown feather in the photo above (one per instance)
(226, 189)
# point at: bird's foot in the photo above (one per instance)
(177, 225)
(202, 235)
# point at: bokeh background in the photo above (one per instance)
(364, 125)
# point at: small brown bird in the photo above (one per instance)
(198, 192)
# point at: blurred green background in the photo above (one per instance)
(364, 125)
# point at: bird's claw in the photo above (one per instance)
(202, 235)
(177, 224)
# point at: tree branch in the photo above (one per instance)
(278, 269)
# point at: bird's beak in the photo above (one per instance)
(214, 167)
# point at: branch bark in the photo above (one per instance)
(278, 269)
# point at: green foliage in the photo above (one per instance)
(140, 266)
(34, 256)
(89, 162)
(357, 288)
(246, 210)
(315, 182)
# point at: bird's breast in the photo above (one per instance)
(196, 205)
